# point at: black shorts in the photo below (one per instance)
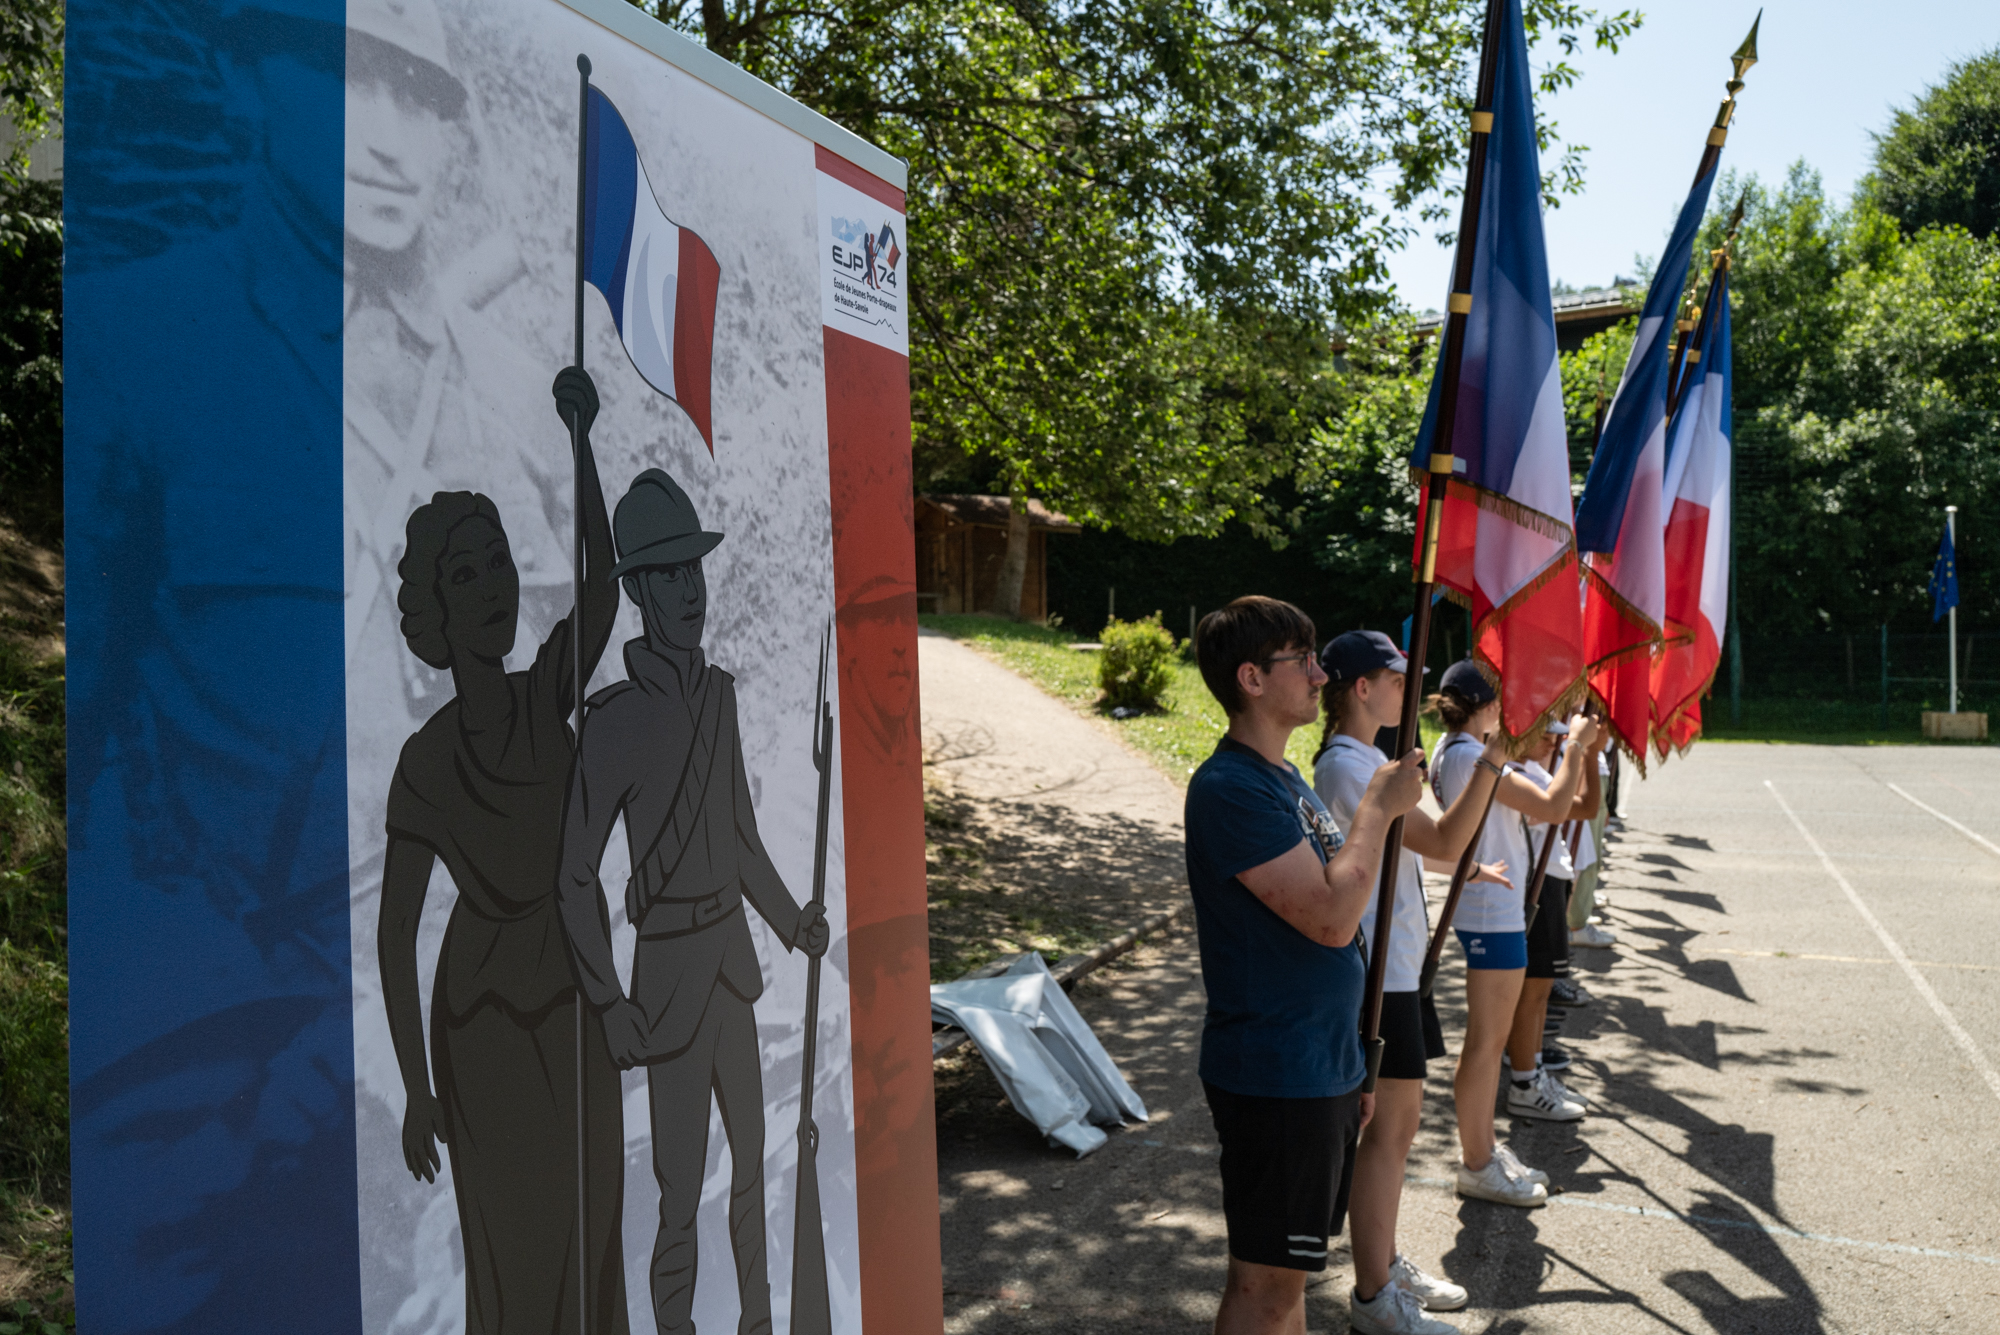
(1411, 1035)
(1548, 934)
(1287, 1165)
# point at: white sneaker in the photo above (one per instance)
(1393, 1311)
(1543, 1098)
(1515, 1168)
(1591, 936)
(1436, 1295)
(1562, 1090)
(1494, 1183)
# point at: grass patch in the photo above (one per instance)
(1176, 738)
(36, 1293)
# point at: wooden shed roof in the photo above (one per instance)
(993, 512)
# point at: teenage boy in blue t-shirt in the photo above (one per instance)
(1278, 899)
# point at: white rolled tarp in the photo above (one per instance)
(1053, 1069)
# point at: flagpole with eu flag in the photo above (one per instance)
(1944, 590)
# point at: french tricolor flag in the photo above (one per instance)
(659, 277)
(1621, 520)
(1506, 548)
(1697, 536)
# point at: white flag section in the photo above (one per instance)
(1696, 539)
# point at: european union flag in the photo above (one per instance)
(1944, 578)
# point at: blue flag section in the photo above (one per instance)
(1505, 543)
(211, 1039)
(1944, 578)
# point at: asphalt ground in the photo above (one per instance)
(1790, 1061)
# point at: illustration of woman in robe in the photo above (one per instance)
(481, 786)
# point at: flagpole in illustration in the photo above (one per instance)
(1439, 469)
(576, 671)
(812, 1311)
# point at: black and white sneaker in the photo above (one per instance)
(1568, 994)
(1555, 1057)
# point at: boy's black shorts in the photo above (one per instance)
(1286, 1168)
(1548, 934)
(1411, 1035)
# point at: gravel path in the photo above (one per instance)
(1045, 831)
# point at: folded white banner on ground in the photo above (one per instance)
(1051, 1066)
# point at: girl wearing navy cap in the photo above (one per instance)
(1491, 924)
(1364, 693)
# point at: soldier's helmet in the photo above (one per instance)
(656, 525)
(401, 42)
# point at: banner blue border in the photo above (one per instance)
(213, 1144)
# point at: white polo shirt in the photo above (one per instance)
(1484, 906)
(1340, 777)
(1560, 866)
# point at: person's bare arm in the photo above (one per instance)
(1446, 837)
(1592, 796)
(1551, 805)
(1325, 902)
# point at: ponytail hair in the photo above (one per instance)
(1452, 709)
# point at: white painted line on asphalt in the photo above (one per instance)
(1979, 839)
(1917, 980)
(1830, 959)
(1745, 1225)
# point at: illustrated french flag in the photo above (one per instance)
(1507, 545)
(1621, 520)
(1697, 537)
(659, 277)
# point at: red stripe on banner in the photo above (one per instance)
(1683, 669)
(881, 761)
(694, 332)
(867, 182)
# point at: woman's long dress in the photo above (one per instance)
(504, 1013)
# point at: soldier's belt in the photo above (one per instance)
(678, 917)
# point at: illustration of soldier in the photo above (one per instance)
(481, 786)
(419, 321)
(663, 748)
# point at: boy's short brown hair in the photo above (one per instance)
(1255, 629)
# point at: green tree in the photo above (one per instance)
(1135, 224)
(1939, 163)
(31, 63)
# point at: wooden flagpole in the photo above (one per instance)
(1430, 517)
(1718, 134)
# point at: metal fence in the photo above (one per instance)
(1868, 666)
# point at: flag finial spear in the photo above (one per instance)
(1740, 63)
(1746, 54)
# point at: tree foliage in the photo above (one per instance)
(1867, 397)
(1939, 163)
(1135, 224)
(31, 64)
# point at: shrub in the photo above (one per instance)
(34, 1069)
(1136, 665)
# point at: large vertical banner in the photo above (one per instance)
(402, 1002)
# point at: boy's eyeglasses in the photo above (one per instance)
(1300, 659)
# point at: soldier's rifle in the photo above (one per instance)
(811, 1311)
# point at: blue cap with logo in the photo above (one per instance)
(1354, 655)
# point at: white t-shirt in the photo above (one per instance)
(1560, 866)
(1484, 906)
(1340, 777)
